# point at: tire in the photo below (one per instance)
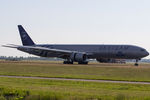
(68, 62)
(83, 62)
(65, 62)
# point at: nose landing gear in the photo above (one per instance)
(136, 63)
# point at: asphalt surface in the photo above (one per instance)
(86, 80)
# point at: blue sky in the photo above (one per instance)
(75, 22)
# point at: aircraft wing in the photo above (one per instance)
(44, 50)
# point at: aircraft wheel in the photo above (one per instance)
(65, 62)
(136, 64)
(68, 62)
(83, 62)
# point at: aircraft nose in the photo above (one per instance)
(145, 53)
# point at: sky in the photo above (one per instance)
(75, 22)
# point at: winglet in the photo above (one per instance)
(26, 40)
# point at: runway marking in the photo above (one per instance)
(85, 80)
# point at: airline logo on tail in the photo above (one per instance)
(24, 37)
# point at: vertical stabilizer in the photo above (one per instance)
(26, 40)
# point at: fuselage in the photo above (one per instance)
(99, 51)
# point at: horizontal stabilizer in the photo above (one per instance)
(10, 46)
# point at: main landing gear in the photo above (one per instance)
(68, 62)
(71, 62)
(86, 62)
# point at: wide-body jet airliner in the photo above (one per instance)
(79, 53)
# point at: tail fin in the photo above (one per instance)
(26, 40)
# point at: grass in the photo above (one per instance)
(127, 72)
(37, 89)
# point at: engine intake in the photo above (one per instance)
(78, 57)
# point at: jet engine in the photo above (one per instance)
(78, 57)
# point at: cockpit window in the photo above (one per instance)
(142, 49)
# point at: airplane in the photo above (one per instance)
(79, 53)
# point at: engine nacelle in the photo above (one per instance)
(78, 57)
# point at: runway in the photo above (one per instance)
(84, 80)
